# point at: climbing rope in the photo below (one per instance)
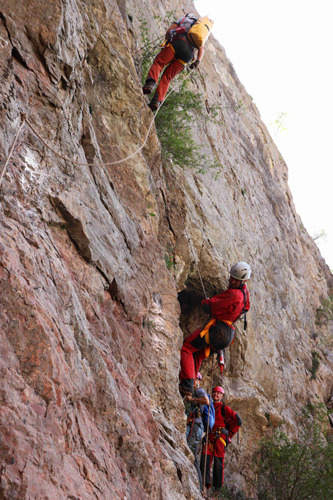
(27, 122)
(151, 49)
(207, 429)
(212, 364)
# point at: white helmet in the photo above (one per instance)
(240, 271)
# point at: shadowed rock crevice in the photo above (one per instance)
(88, 145)
(192, 315)
(16, 54)
(74, 228)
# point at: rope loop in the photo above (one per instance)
(65, 158)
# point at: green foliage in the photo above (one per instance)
(268, 416)
(226, 493)
(166, 20)
(149, 49)
(324, 313)
(315, 364)
(239, 105)
(174, 124)
(320, 235)
(150, 211)
(168, 258)
(279, 123)
(298, 469)
(147, 323)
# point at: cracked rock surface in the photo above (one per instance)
(92, 259)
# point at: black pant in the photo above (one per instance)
(218, 467)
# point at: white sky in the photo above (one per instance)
(282, 51)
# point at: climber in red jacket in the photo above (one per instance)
(227, 423)
(225, 309)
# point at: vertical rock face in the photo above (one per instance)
(90, 318)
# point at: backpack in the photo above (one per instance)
(182, 29)
(200, 31)
(211, 417)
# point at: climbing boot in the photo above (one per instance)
(184, 391)
(148, 86)
(155, 103)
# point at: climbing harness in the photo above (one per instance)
(27, 122)
(191, 418)
(217, 435)
(205, 333)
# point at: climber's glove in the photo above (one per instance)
(206, 308)
(195, 64)
(170, 34)
(227, 441)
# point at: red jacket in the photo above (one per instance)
(228, 305)
(231, 421)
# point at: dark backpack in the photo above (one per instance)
(211, 417)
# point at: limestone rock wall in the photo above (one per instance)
(90, 318)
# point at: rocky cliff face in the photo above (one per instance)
(90, 316)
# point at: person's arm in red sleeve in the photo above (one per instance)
(227, 305)
(206, 306)
(233, 421)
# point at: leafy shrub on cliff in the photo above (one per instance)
(174, 124)
(226, 493)
(315, 364)
(298, 469)
(324, 313)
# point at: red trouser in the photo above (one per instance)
(166, 56)
(191, 358)
(218, 467)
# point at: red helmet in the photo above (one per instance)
(218, 389)
(199, 376)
